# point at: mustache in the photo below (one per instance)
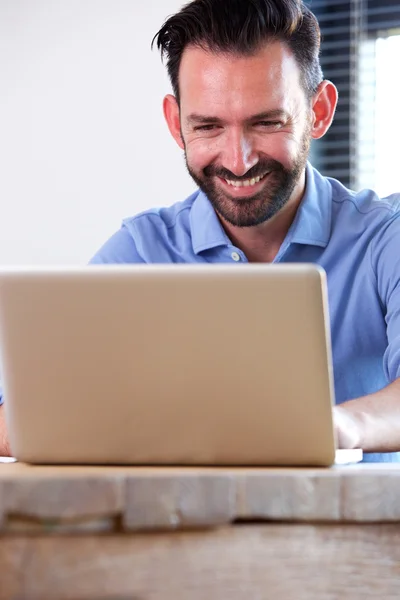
(258, 170)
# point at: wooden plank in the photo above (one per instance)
(368, 498)
(90, 499)
(176, 501)
(72, 499)
(289, 496)
(292, 562)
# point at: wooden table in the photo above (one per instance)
(182, 534)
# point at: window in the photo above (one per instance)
(387, 120)
(361, 54)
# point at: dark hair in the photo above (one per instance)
(241, 27)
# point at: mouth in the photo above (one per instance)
(244, 187)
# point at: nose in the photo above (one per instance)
(239, 155)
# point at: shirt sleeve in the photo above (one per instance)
(385, 256)
(119, 249)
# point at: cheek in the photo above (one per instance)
(283, 147)
(201, 153)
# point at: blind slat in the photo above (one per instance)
(334, 60)
(384, 25)
(318, 6)
(339, 16)
(336, 30)
(383, 10)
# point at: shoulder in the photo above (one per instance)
(149, 236)
(366, 203)
(161, 218)
(363, 218)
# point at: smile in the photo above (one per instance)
(246, 182)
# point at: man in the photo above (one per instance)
(249, 96)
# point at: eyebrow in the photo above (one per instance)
(269, 115)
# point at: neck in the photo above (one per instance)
(261, 243)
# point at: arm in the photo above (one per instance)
(371, 422)
(4, 443)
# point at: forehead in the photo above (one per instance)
(268, 79)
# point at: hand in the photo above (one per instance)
(346, 428)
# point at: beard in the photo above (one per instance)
(253, 210)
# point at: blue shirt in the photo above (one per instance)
(355, 237)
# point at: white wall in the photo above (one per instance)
(83, 142)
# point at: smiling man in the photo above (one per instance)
(248, 98)
(247, 135)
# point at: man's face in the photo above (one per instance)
(245, 126)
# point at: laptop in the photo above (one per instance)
(168, 365)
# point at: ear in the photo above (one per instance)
(323, 107)
(172, 114)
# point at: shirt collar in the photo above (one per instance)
(312, 223)
(311, 226)
(207, 231)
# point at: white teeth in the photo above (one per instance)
(245, 183)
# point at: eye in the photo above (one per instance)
(269, 124)
(205, 127)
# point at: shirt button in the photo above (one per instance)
(235, 256)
